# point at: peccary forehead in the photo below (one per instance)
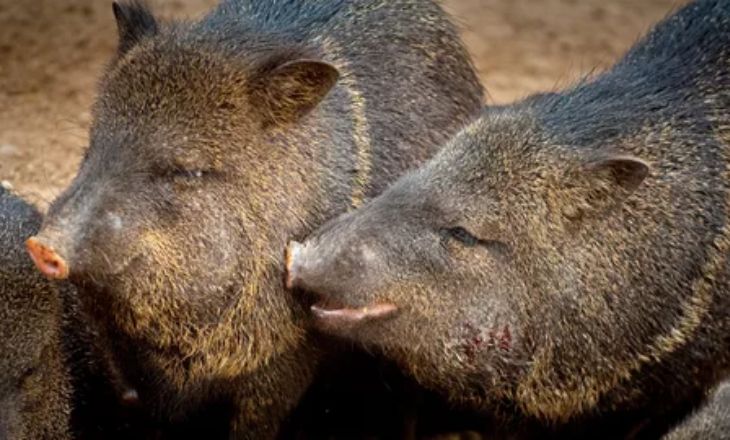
(186, 98)
(185, 77)
(503, 149)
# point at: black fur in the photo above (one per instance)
(134, 23)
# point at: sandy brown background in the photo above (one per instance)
(53, 51)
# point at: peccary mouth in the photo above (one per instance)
(350, 316)
(326, 311)
(345, 320)
(331, 314)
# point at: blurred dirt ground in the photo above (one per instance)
(52, 53)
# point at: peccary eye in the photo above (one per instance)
(190, 174)
(468, 239)
(462, 235)
(187, 174)
(181, 176)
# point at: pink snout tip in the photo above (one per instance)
(46, 259)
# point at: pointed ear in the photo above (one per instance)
(293, 89)
(625, 172)
(134, 22)
(604, 183)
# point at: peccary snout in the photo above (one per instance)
(77, 241)
(306, 271)
(46, 259)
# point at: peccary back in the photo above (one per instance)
(34, 386)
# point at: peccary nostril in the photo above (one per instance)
(293, 268)
(46, 259)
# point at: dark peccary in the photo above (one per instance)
(213, 143)
(709, 422)
(566, 257)
(52, 384)
(34, 385)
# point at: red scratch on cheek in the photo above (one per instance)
(475, 342)
(505, 339)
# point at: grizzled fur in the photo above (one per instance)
(709, 422)
(34, 385)
(566, 256)
(215, 141)
(52, 383)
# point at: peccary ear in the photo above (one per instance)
(626, 172)
(134, 22)
(293, 89)
(605, 182)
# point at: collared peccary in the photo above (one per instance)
(53, 385)
(34, 382)
(710, 422)
(213, 142)
(565, 257)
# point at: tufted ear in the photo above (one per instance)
(292, 89)
(134, 22)
(604, 182)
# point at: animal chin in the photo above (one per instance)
(339, 317)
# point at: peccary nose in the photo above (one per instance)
(293, 265)
(46, 259)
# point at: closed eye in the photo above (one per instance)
(188, 174)
(468, 239)
(184, 174)
(461, 235)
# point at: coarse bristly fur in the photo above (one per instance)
(564, 258)
(53, 383)
(709, 422)
(213, 142)
(34, 381)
